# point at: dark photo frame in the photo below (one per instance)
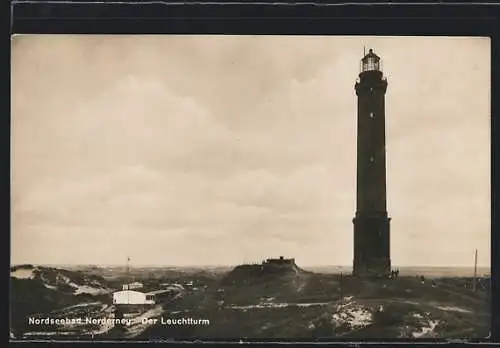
(263, 19)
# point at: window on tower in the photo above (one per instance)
(371, 114)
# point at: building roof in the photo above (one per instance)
(128, 291)
(157, 292)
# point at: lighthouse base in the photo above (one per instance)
(371, 245)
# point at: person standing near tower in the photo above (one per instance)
(371, 221)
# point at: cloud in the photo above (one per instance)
(196, 150)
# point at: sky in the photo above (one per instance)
(219, 150)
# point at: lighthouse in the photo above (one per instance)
(371, 221)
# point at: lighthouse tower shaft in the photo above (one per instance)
(371, 222)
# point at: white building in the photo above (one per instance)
(132, 286)
(130, 297)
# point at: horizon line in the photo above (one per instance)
(228, 265)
